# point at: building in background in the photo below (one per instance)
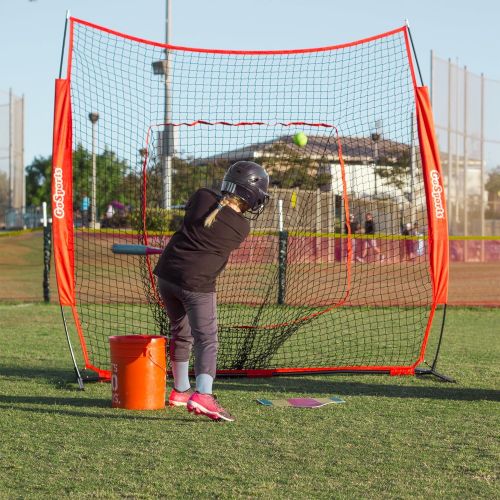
(383, 179)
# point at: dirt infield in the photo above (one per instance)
(21, 272)
(474, 284)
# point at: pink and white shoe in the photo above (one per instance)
(207, 404)
(178, 398)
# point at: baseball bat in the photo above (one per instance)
(135, 249)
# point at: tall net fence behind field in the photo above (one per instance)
(311, 288)
(466, 107)
(12, 184)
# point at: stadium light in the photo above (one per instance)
(93, 117)
(166, 136)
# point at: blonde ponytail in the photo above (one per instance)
(226, 200)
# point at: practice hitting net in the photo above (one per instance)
(139, 126)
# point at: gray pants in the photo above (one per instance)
(193, 320)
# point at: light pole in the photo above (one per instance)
(413, 169)
(166, 136)
(93, 117)
(376, 136)
(11, 151)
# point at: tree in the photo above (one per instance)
(289, 169)
(493, 183)
(395, 172)
(114, 179)
(186, 179)
(38, 181)
(492, 186)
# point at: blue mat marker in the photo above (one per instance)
(300, 402)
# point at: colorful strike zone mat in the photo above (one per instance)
(300, 402)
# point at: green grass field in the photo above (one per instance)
(396, 437)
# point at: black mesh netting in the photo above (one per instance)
(308, 288)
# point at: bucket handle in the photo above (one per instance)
(148, 353)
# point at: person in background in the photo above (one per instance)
(355, 229)
(420, 244)
(214, 225)
(84, 207)
(110, 211)
(408, 242)
(370, 229)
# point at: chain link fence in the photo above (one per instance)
(21, 218)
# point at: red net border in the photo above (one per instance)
(402, 29)
(243, 124)
(392, 370)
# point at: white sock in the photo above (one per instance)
(180, 371)
(204, 383)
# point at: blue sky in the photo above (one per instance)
(31, 35)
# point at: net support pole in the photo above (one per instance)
(63, 43)
(47, 246)
(414, 52)
(428, 145)
(79, 378)
(432, 369)
(282, 255)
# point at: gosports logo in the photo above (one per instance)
(436, 193)
(58, 196)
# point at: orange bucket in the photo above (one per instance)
(138, 371)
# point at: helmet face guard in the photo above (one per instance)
(248, 181)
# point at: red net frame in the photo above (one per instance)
(431, 273)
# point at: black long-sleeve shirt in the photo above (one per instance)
(196, 255)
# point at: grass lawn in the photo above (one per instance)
(21, 267)
(395, 437)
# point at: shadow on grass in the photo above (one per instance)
(52, 405)
(342, 387)
(59, 377)
(32, 372)
(65, 378)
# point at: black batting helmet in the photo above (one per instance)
(249, 181)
